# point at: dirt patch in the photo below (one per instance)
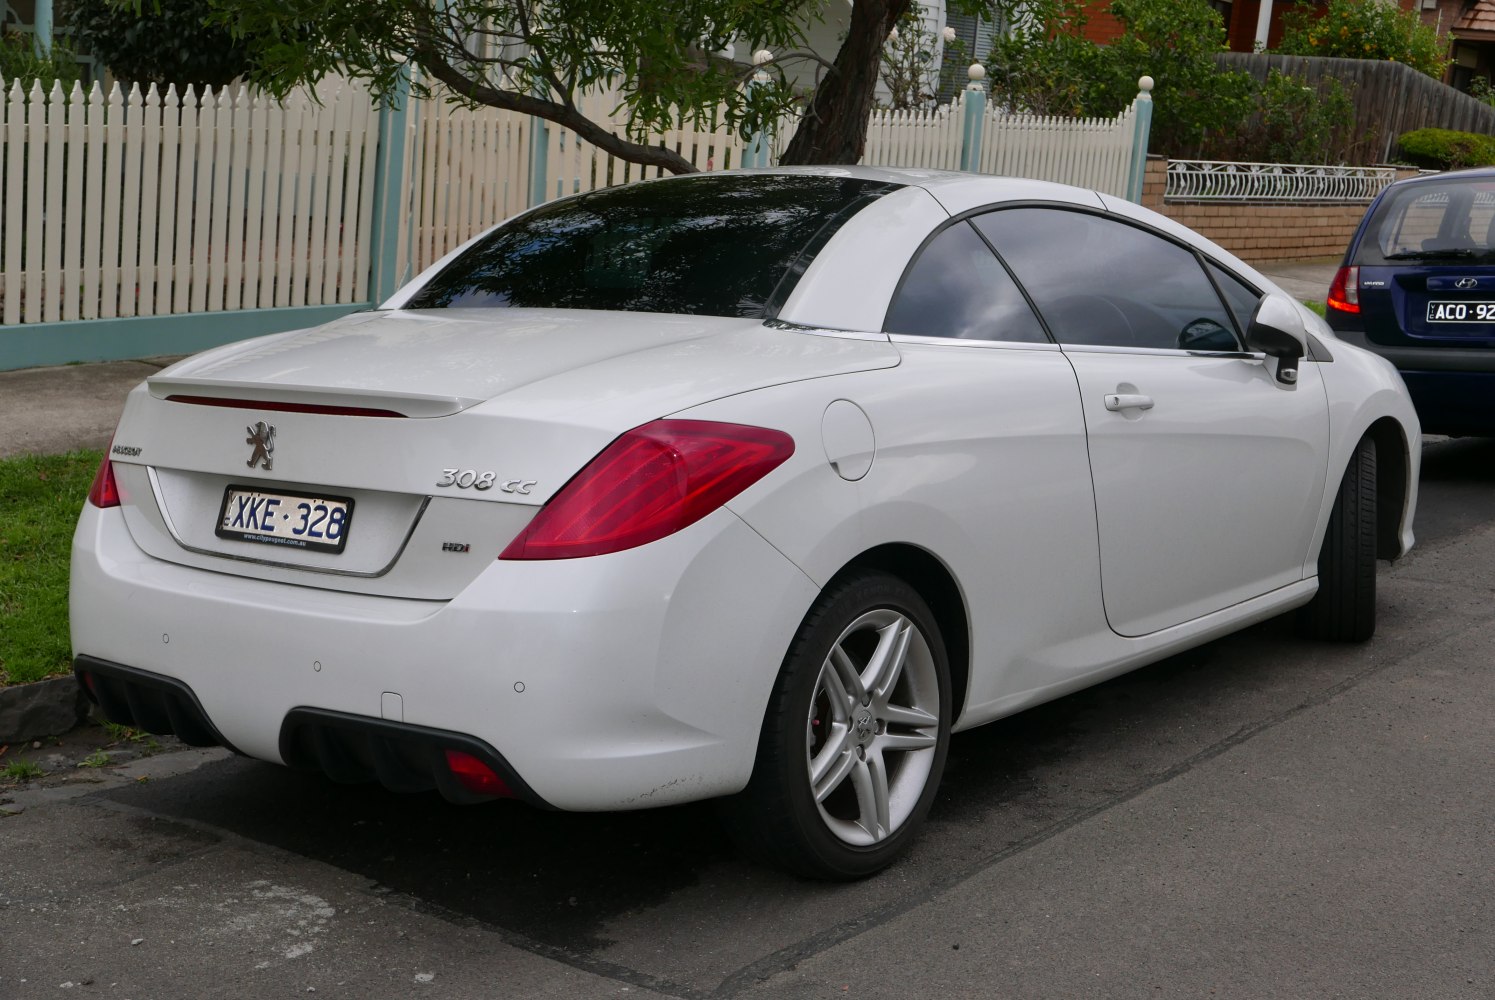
(84, 755)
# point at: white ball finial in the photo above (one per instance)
(1145, 84)
(977, 72)
(762, 56)
(949, 34)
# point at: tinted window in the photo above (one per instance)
(958, 288)
(1102, 282)
(709, 246)
(1451, 219)
(1239, 296)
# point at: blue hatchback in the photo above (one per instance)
(1417, 286)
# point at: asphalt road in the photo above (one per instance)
(1261, 817)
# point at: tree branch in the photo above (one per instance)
(429, 58)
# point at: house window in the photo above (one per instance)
(977, 35)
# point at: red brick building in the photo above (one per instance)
(1240, 21)
(1471, 33)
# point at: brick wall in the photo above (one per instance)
(1101, 26)
(1259, 233)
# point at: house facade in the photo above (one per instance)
(1470, 28)
(1465, 27)
(18, 16)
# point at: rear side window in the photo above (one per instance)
(957, 288)
(1100, 282)
(706, 246)
(1427, 221)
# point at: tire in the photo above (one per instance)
(854, 738)
(1344, 609)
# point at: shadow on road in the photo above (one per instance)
(580, 884)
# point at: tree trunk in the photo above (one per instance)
(834, 128)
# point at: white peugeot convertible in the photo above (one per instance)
(751, 486)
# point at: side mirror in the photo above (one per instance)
(1276, 329)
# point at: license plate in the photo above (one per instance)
(293, 519)
(1461, 312)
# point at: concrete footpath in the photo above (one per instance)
(1307, 281)
(53, 410)
(48, 411)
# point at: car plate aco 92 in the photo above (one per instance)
(1461, 312)
(297, 520)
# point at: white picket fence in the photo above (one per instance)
(137, 203)
(1086, 152)
(472, 167)
(466, 169)
(928, 139)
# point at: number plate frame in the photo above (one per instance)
(287, 501)
(1470, 310)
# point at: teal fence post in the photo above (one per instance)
(757, 153)
(975, 118)
(539, 160)
(759, 150)
(390, 202)
(1141, 131)
(42, 24)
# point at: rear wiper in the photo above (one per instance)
(1458, 252)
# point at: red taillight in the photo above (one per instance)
(649, 483)
(1344, 291)
(475, 776)
(104, 492)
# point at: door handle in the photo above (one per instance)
(1127, 401)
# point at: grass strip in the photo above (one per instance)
(40, 497)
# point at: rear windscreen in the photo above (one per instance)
(1445, 220)
(706, 246)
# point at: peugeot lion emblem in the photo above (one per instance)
(1466, 283)
(262, 436)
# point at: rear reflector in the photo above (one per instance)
(104, 492)
(649, 483)
(475, 776)
(256, 404)
(1344, 291)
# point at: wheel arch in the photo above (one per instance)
(1393, 471)
(923, 571)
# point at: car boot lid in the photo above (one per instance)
(437, 363)
(529, 396)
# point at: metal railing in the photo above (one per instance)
(1281, 183)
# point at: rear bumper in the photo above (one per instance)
(346, 748)
(143, 700)
(623, 681)
(1450, 402)
(1452, 388)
